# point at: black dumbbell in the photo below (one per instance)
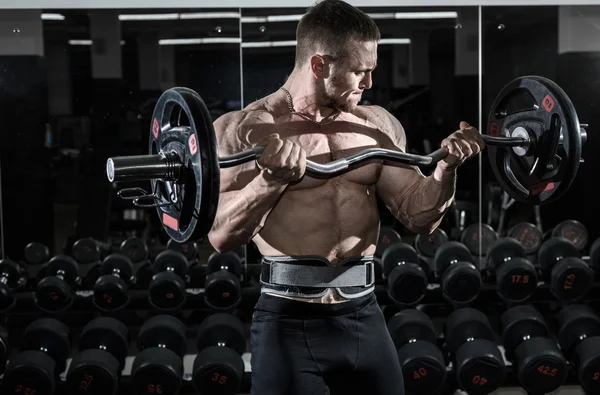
(42, 357)
(158, 367)
(11, 278)
(472, 345)
(87, 250)
(406, 273)
(167, 287)
(96, 368)
(4, 349)
(36, 253)
(460, 279)
(427, 245)
(423, 364)
(574, 231)
(387, 237)
(219, 367)
(516, 277)
(187, 249)
(569, 276)
(111, 288)
(579, 337)
(135, 249)
(478, 238)
(222, 285)
(540, 365)
(53, 293)
(528, 235)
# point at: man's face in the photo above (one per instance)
(350, 76)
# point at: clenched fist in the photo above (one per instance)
(462, 145)
(282, 160)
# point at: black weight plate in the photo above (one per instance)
(575, 322)
(163, 331)
(12, 272)
(30, 372)
(222, 328)
(229, 261)
(461, 282)
(398, 254)
(222, 291)
(423, 367)
(93, 372)
(157, 371)
(135, 249)
(171, 260)
(574, 231)
(554, 249)
(527, 179)
(86, 251)
(502, 250)
(65, 265)
(51, 335)
(449, 253)
(407, 284)
(587, 355)
(528, 235)
(542, 367)
(595, 254)
(118, 263)
(188, 248)
(167, 291)
(107, 333)
(480, 367)
(36, 253)
(519, 323)
(571, 279)
(53, 295)
(516, 280)
(478, 238)
(192, 216)
(387, 237)
(427, 245)
(218, 370)
(466, 323)
(110, 293)
(410, 325)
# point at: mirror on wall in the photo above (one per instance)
(79, 86)
(559, 43)
(426, 77)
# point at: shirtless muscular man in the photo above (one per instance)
(317, 323)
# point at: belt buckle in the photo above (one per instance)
(370, 274)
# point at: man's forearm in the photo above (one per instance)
(242, 214)
(428, 200)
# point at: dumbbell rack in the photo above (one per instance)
(194, 311)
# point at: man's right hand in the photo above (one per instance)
(282, 161)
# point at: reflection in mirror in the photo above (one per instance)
(426, 78)
(560, 43)
(80, 86)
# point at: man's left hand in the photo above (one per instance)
(463, 144)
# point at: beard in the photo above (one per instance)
(330, 100)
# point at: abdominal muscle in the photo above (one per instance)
(336, 220)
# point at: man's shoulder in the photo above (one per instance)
(381, 119)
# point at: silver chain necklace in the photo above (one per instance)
(290, 103)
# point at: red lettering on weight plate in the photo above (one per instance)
(548, 103)
(155, 128)
(170, 221)
(193, 144)
(542, 187)
(493, 129)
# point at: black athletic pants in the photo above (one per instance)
(300, 348)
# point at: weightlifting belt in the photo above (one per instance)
(311, 276)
